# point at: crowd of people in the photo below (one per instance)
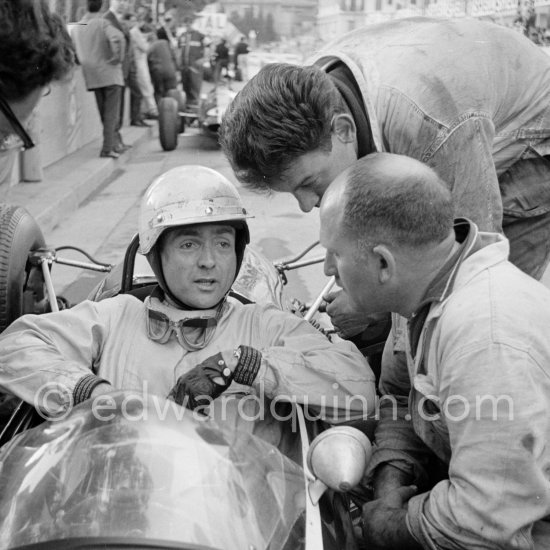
(121, 49)
(425, 145)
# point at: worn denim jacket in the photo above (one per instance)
(478, 397)
(469, 98)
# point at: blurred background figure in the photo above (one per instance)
(114, 15)
(167, 31)
(241, 59)
(136, 97)
(141, 35)
(35, 49)
(101, 49)
(192, 47)
(162, 67)
(221, 56)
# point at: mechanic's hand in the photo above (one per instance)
(346, 320)
(387, 478)
(203, 383)
(384, 525)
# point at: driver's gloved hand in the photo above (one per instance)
(209, 379)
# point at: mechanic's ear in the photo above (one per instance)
(344, 127)
(386, 263)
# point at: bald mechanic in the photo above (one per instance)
(462, 457)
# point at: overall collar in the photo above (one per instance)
(441, 286)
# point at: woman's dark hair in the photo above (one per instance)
(35, 47)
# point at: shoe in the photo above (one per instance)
(151, 116)
(122, 148)
(140, 123)
(109, 154)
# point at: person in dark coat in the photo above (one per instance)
(191, 44)
(241, 51)
(161, 68)
(221, 57)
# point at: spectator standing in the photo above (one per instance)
(167, 31)
(191, 43)
(114, 16)
(241, 59)
(136, 97)
(101, 49)
(221, 56)
(140, 35)
(161, 68)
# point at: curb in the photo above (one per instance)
(72, 180)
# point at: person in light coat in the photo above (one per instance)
(141, 45)
(189, 340)
(101, 50)
(462, 455)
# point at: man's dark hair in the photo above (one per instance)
(398, 200)
(283, 112)
(94, 5)
(35, 47)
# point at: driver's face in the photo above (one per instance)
(309, 175)
(200, 263)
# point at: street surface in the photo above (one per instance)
(104, 225)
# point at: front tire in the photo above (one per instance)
(19, 235)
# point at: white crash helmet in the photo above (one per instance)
(188, 195)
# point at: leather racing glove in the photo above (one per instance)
(209, 379)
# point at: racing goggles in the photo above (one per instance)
(19, 138)
(160, 328)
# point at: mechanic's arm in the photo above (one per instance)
(400, 458)
(496, 399)
(464, 160)
(48, 360)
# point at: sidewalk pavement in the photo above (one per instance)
(72, 180)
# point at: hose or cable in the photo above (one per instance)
(91, 258)
(301, 255)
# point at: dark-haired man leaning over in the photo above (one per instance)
(465, 463)
(450, 93)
